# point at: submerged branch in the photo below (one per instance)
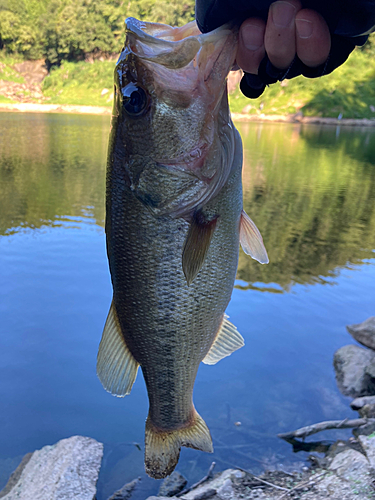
(323, 426)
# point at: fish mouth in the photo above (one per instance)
(176, 47)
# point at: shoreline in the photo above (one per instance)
(238, 117)
(23, 107)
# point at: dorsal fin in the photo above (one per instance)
(197, 244)
(116, 366)
(227, 341)
(251, 240)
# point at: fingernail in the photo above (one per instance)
(304, 28)
(282, 13)
(252, 36)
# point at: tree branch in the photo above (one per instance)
(323, 426)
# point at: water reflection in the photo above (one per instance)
(310, 190)
(312, 196)
(51, 166)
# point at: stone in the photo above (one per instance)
(350, 364)
(370, 369)
(172, 485)
(351, 465)
(67, 470)
(126, 491)
(367, 411)
(226, 491)
(368, 446)
(333, 487)
(211, 492)
(335, 449)
(158, 498)
(224, 479)
(364, 430)
(357, 403)
(364, 333)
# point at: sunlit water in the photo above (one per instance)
(311, 191)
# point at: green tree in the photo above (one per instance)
(71, 29)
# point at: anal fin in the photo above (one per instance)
(116, 366)
(227, 341)
(251, 240)
(162, 447)
(197, 244)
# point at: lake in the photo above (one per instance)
(311, 192)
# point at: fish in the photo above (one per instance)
(174, 221)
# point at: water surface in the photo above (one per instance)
(310, 190)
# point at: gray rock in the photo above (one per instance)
(368, 445)
(67, 470)
(370, 369)
(357, 403)
(367, 411)
(211, 492)
(158, 498)
(364, 430)
(333, 487)
(226, 490)
(364, 333)
(126, 491)
(223, 480)
(350, 364)
(351, 465)
(172, 485)
(335, 449)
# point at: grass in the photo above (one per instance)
(349, 90)
(7, 73)
(80, 83)
(4, 99)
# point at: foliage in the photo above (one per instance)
(80, 83)
(349, 90)
(69, 30)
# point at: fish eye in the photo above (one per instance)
(135, 100)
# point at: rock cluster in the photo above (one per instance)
(354, 365)
(348, 474)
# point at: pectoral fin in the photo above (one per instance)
(227, 341)
(251, 240)
(196, 245)
(116, 366)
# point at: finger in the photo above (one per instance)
(251, 50)
(313, 40)
(280, 35)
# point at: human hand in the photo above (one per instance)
(289, 30)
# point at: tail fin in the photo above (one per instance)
(162, 448)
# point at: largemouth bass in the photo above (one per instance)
(174, 220)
